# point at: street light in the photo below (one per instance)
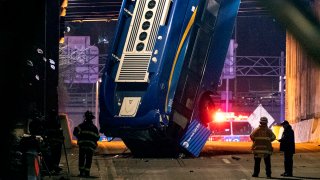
(97, 101)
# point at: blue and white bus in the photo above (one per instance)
(167, 58)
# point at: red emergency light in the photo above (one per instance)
(220, 116)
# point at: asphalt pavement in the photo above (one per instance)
(218, 160)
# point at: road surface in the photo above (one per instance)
(217, 160)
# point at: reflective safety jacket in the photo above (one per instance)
(87, 135)
(262, 138)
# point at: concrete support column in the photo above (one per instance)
(302, 81)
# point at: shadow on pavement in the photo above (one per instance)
(295, 178)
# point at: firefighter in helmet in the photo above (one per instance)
(87, 135)
(262, 137)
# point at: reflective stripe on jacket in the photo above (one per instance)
(87, 135)
(262, 138)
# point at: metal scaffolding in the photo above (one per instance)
(267, 66)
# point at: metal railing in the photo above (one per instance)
(86, 100)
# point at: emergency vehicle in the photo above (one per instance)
(228, 127)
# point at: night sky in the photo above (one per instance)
(260, 36)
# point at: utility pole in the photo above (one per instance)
(96, 110)
(227, 95)
(281, 85)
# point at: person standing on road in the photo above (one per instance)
(54, 139)
(87, 135)
(287, 145)
(262, 137)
